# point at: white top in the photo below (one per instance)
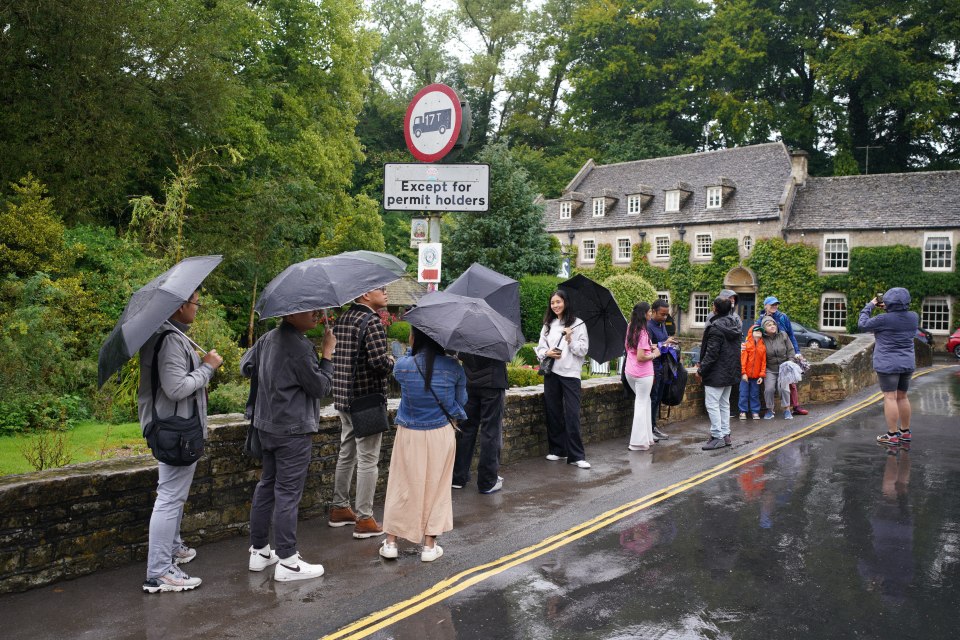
(571, 354)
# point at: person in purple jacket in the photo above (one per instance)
(893, 358)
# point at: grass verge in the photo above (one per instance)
(86, 442)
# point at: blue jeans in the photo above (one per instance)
(749, 401)
(717, 401)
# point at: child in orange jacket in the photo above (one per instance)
(753, 365)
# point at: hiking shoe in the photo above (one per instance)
(496, 487)
(768, 416)
(660, 435)
(260, 559)
(429, 554)
(366, 528)
(727, 441)
(713, 443)
(174, 580)
(341, 517)
(756, 416)
(889, 438)
(904, 436)
(787, 415)
(294, 568)
(183, 554)
(800, 411)
(554, 458)
(389, 550)
(743, 416)
(583, 464)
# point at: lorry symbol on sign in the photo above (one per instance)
(432, 121)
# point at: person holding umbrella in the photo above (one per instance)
(563, 339)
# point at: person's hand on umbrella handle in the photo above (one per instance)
(328, 344)
(213, 359)
(568, 334)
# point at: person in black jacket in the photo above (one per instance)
(720, 370)
(486, 390)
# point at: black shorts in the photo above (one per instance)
(895, 381)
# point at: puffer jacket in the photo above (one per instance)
(753, 358)
(778, 349)
(720, 362)
(894, 331)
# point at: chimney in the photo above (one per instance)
(798, 166)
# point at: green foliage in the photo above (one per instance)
(659, 278)
(844, 164)
(31, 235)
(523, 377)
(399, 330)
(25, 413)
(211, 330)
(682, 277)
(527, 354)
(789, 272)
(229, 398)
(603, 266)
(535, 294)
(629, 289)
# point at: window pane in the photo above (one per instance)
(633, 205)
(623, 249)
(701, 308)
(565, 209)
(589, 250)
(663, 246)
(747, 243)
(673, 201)
(704, 244)
(834, 312)
(836, 254)
(935, 315)
(937, 253)
(714, 197)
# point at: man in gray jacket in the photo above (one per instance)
(290, 383)
(183, 378)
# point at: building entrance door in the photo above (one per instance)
(748, 310)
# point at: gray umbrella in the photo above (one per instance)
(465, 324)
(149, 308)
(385, 260)
(499, 291)
(320, 283)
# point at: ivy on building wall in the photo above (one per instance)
(789, 272)
(640, 264)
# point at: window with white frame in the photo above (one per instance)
(633, 205)
(624, 249)
(747, 244)
(701, 308)
(833, 312)
(935, 315)
(665, 296)
(566, 209)
(589, 252)
(662, 246)
(937, 252)
(704, 245)
(599, 207)
(714, 197)
(672, 201)
(836, 253)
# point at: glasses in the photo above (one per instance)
(195, 303)
(381, 289)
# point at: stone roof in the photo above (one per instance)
(760, 174)
(405, 292)
(926, 200)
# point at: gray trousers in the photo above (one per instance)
(770, 388)
(362, 455)
(173, 487)
(276, 499)
(717, 402)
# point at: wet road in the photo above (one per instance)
(802, 529)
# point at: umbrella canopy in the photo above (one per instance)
(465, 324)
(149, 308)
(594, 304)
(320, 283)
(385, 260)
(499, 291)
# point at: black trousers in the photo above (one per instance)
(656, 394)
(561, 399)
(484, 416)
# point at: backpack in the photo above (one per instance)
(675, 381)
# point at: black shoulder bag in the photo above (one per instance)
(367, 413)
(453, 421)
(175, 441)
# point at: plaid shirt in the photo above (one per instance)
(375, 361)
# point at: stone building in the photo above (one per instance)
(752, 193)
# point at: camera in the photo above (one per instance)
(880, 300)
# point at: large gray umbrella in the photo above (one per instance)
(320, 283)
(149, 308)
(465, 324)
(385, 260)
(499, 291)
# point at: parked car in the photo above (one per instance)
(810, 338)
(925, 336)
(953, 343)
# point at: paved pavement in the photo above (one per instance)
(803, 528)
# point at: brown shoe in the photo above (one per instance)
(341, 517)
(366, 528)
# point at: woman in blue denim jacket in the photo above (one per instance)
(418, 505)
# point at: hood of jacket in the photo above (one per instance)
(729, 326)
(897, 299)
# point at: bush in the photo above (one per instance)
(229, 397)
(528, 355)
(523, 377)
(45, 412)
(629, 289)
(534, 299)
(399, 330)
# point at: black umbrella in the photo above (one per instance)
(385, 260)
(467, 325)
(149, 308)
(594, 304)
(499, 291)
(320, 283)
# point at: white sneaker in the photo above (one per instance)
(583, 464)
(260, 559)
(294, 568)
(429, 554)
(553, 458)
(174, 580)
(183, 554)
(389, 550)
(496, 487)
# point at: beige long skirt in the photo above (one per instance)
(418, 501)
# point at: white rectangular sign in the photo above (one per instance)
(428, 264)
(436, 187)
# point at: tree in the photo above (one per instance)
(31, 233)
(510, 237)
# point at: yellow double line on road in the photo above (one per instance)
(466, 579)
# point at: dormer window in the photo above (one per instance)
(672, 200)
(566, 210)
(634, 204)
(599, 207)
(714, 197)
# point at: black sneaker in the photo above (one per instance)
(659, 435)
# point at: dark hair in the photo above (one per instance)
(638, 323)
(568, 315)
(430, 348)
(722, 306)
(660, 303)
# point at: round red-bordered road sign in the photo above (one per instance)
(432, 124)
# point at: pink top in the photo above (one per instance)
(639, 369)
